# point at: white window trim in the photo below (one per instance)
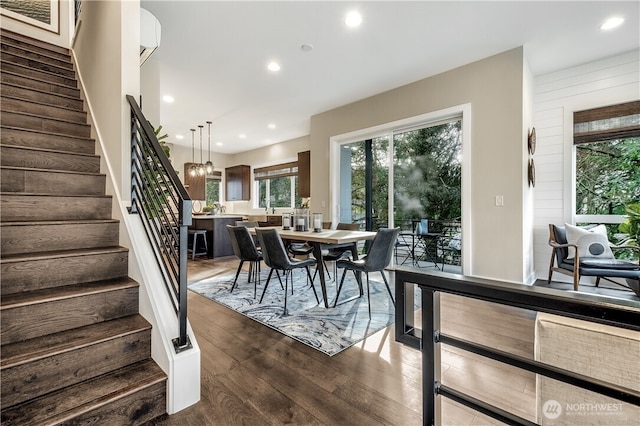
(255, 203)
(256, 188)
(569, 177)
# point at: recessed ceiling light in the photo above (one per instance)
(168, 99)
(242, 136)
(273, 66)
(271, 126)
(219, 143)
(353, 19)
(306, 47)
(179, 137)
(612, 23)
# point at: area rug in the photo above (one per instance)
(327, 330)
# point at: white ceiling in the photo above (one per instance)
(213, 55)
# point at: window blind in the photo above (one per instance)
(606, 123)
(278, 170)
(215, 175)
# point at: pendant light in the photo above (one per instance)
(193, 170)
(201, 169)
(209, 165)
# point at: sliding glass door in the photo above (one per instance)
(403, 176)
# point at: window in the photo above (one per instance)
(212, 188)
(607, 146)
(277, 186)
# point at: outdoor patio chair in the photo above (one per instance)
(581, 264)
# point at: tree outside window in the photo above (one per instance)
(278, 191)
(607, 176)
(212, 191)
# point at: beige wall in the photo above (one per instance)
(269, 155)
(494, 87)
(272, 154)
(112, 29)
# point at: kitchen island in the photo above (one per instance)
(218, 241)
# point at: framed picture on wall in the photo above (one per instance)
(43, 14)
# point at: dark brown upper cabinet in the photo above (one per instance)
(194, 184)
(237, 183)
(304, 174)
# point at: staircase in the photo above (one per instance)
(74, 348)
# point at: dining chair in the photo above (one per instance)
(275, 257)
(249, 224)
(378, 257)
(332, 255)
(245, 250)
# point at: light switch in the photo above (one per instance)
(499, 200)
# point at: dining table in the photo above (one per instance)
(326, 239)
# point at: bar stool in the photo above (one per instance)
(195, 234)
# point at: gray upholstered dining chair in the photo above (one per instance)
(378, 257)
(275, 257)
(332, 255)
(249, 224)
(245, 250)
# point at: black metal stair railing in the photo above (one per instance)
(428, 339)
(164, 206)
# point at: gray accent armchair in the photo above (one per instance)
(583, 266)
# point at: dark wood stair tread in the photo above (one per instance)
(16, 300)
(47, 195)
(3, 110)
(72, 81)
(45, 92)
(64, 405)
(45, 132)
(41, 82)
(61, 59)
(33, 62)
(15, 258)
(28, 148)
(35, 169)
(57, 222)
(23, 39)
(52, 344)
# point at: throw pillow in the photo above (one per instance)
(591, 242)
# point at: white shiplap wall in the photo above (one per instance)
(557, 95)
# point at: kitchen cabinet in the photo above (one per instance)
(304, 174)
(238, 183)
(195, 185)
(218, 240)
(271, 220)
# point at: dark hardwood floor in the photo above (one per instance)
(254, 375)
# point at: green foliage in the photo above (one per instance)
(427, 175)
(161, 139)
(212, 192)
(607, 176)
(630, 228)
